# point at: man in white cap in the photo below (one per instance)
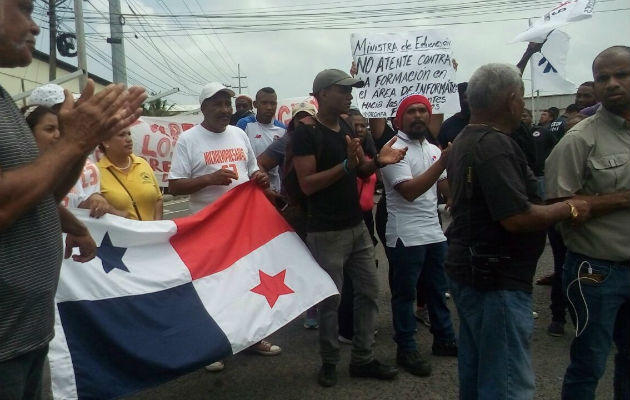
(202, 168)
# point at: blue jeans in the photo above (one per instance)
(494, 358)
(407, 264)
(608, 320)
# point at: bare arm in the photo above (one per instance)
(77, 236)
(417, 186)
(538, 218)
(159, 210)
(312, 181)
(222, 177)
(604, 203)
(67, 181)
(266, 163)
(83, 125)
(529, 52)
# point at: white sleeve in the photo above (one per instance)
(397, 173)
(180, 164)
(437, 153)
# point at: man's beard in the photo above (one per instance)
(418, 131)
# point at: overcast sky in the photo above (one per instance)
(288, 60)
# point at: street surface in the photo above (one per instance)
(292, 375)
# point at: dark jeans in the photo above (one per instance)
(558, 303)
(608, 307)
(408, 263)
(21, 377)
(381, 224)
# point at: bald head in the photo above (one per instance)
(611, 72)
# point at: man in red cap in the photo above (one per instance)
(414, 239)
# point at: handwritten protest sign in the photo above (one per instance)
(395, 65)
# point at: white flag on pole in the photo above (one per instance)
(564, 13)
(549, 65)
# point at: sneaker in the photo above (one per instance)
(556, 329)
(546, 280)
(447, 295)
(422, 315)
(444, 349)
(344, 340)
(327, 375)
(265, 348)
(310, 323)
(310, 320)
(534, 315)
(215, 366)
(413, 362)
(373, 369)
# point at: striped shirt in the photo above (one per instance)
(30, 250)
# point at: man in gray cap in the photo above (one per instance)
(328, 158)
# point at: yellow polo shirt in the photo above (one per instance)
(140, 182)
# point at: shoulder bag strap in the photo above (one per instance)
(133, 202)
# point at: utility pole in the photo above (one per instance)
(81, 52)
(52, 53)
(116, 20)
(239, 77)
(531, 82)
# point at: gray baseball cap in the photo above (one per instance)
(329, 77)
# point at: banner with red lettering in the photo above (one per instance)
(283, 112)
(154, 139)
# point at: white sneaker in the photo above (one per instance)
(534, 314)
(344, 340)
(215, 366)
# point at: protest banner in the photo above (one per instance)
(154, 139)
(562, 14)
(283, 112)
(395, 65)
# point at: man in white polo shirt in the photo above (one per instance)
(212, 158)
(414, 236)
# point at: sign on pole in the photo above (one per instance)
(395, 65)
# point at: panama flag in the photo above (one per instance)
(164, 298)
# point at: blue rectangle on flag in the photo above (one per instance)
(126, 344)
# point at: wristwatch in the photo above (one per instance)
(574, 210)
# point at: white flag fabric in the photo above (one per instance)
(164, 298)
(562, 14)
(549, 65)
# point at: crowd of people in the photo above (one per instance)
(508, 184)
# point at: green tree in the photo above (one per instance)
(157, 108)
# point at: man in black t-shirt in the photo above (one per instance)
(327, 160)
(453, 125)
(495, 239)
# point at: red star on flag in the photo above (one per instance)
(272, 287)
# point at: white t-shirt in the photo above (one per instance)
(261, 136)
(415, 222)
(88, 183)
(200, 152)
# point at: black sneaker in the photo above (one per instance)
(373, 369)
(556, 328)
(413, 362)
(445, 349)
(327, 375)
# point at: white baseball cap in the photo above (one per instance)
(213, 88)
(47, 95)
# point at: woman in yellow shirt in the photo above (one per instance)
(127, 181)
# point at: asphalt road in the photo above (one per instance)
(292, 375)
